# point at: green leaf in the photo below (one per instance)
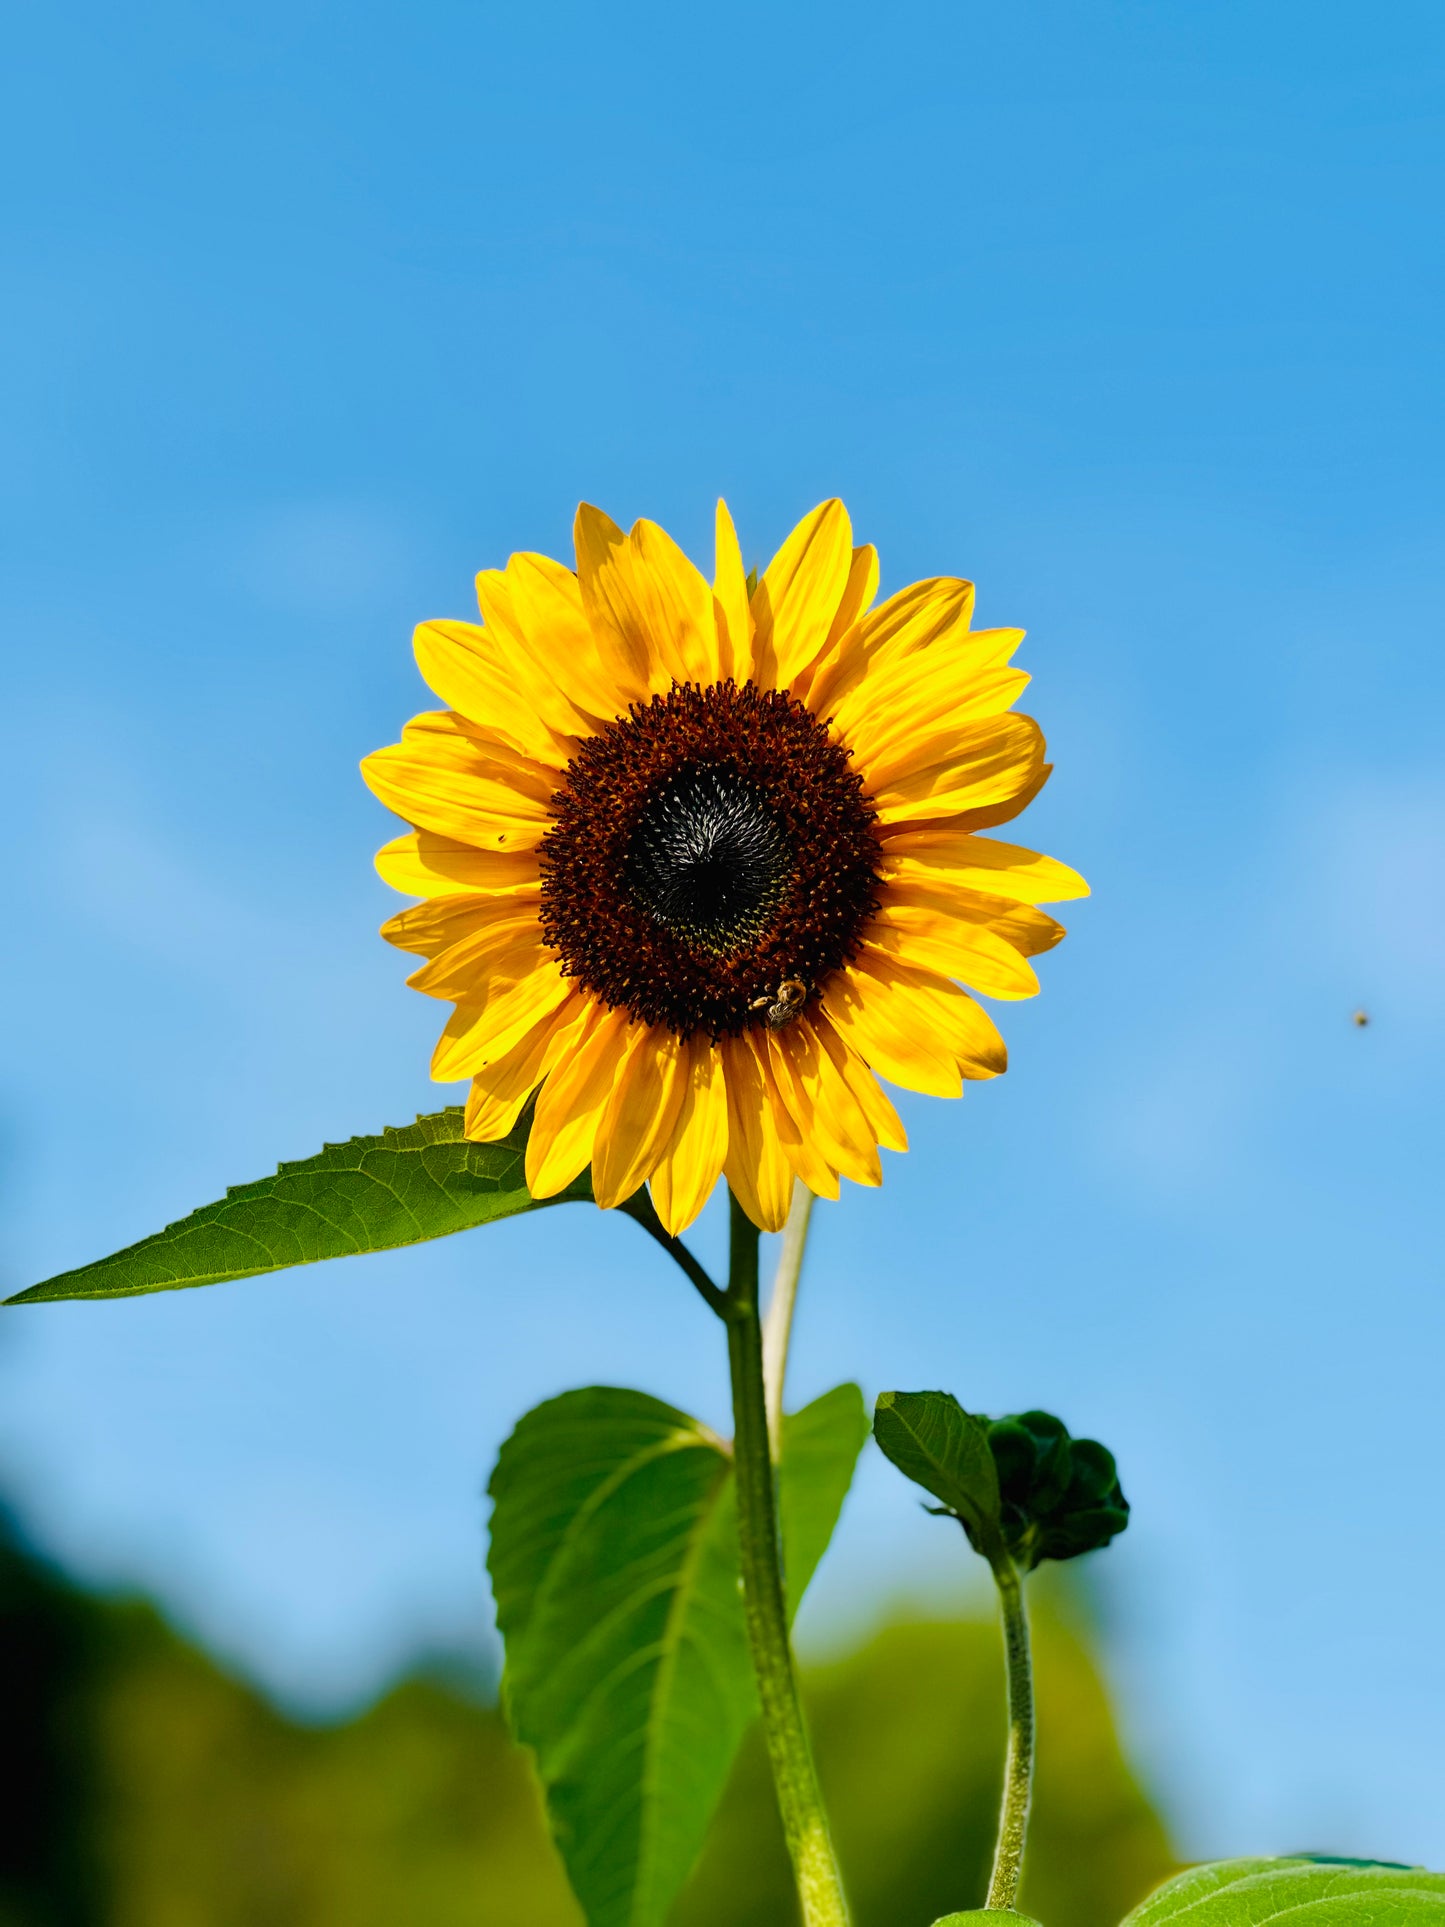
(985, 1914)
(614, 1565)
(820, 1449)
(934, 1442)
(369, 1194)
(1334, 1893)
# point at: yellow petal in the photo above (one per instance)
(794, 605)
(974, 954)
(858, 593)
(540, 603)
(605, 575)
(894, 730)
(432, 927)
(934, 905)
(730, 602)
(693, 1160)
(923, 1003)
(821, 1103)
(423, 864)
(1030, 931)
(674, 605)
(797, 1129)
(870, 1022)
(883, 1121)
(757, 1170)
(471, 669)
(640, 1114)
(502, 949)
(982, 864)
(571, 1103)
(857, 597)
(446, 736)
(990, 762)
(988, 816)
(455, 801)
(476, 1035)
(918, 616)
(925, 682)
(498, 1092)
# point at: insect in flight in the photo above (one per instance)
(783, 1007)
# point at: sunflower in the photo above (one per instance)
(700, 863)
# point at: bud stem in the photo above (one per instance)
(1018, 1775)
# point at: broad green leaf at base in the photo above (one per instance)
(614, 1565)
(1310, 1892)
(421, 1181)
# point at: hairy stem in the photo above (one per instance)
(805, 1825)
(778, 1325)
(1013, 1821)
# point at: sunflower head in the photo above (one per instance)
(700, 862)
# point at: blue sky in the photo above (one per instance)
(1129, 312)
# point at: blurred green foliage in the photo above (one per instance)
(149, 1789)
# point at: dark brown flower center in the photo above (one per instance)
(707, 858)
(707, 848)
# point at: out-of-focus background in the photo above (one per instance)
(158, 1789)
(1129, 312)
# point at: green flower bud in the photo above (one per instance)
(1059, 1496)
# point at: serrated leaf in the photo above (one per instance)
(934, 1442)
(421, 1181)
(614, 1565)
(1338, 1893)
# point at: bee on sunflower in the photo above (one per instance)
(699, 863)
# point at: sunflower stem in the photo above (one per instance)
(778, 1325)
(1018, 1775)
(805, 1825)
